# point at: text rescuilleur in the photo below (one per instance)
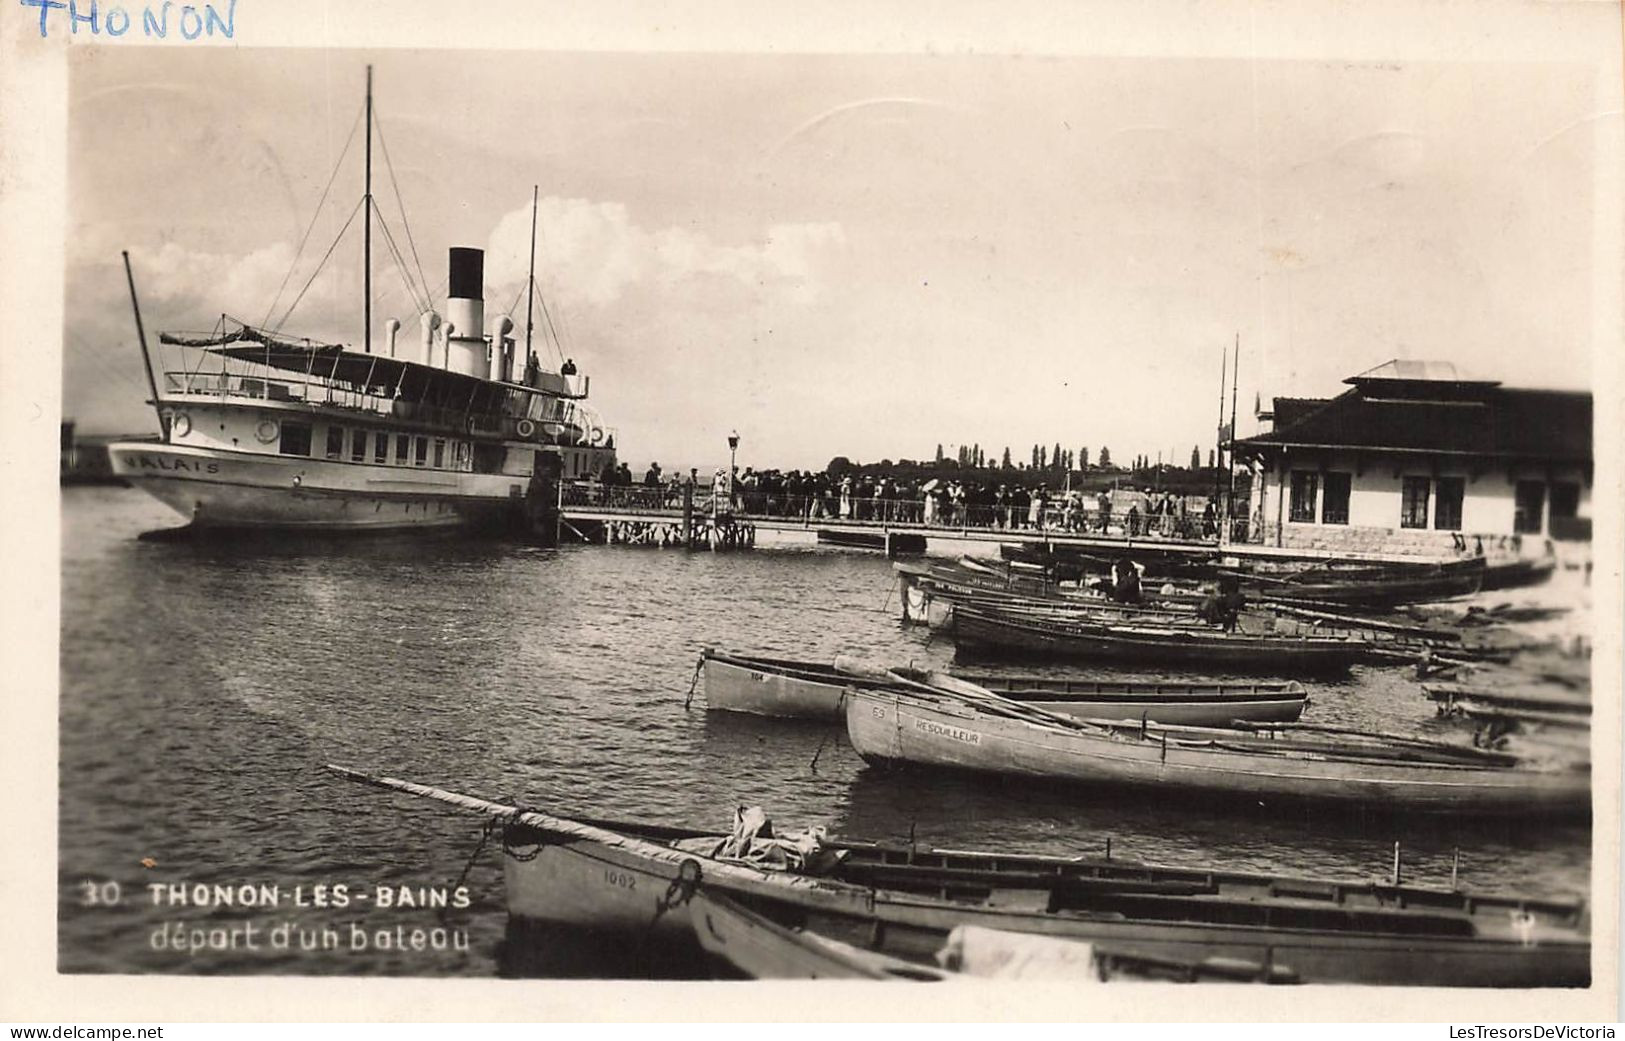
(969, 737)
(339, 895)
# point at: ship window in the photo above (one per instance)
(380, 448)
(1413, 503)
(295, 439)
(1334, 501)
(439, 453)
(403, 449)
(462, 455)
(1447, 496)
(1528, 503)
(1304, 484)
(335, 442)
(422, 451)
(358, 446)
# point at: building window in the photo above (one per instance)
(358, 446)
(1413, 504)
(1447, 495)
(1528, 503)
(422, 451)
(1565, 500)
(439, 453)
(380, 448)
(1304, 484)
(403, 449)
(335, 442)
(1334, 504)
(295, 439)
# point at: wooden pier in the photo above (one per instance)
(639, 525)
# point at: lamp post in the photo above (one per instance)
(733, 467)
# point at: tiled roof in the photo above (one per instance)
(1290, 410)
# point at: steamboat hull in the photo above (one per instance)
(218, 489)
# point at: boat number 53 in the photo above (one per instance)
(620, 879)
(879, 712)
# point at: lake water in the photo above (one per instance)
(204, 685)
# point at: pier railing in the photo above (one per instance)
(815, 510)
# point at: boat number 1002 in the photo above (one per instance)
(620, 879)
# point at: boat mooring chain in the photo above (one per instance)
(486, 832)
(507, 824)
(693, 683)
(681, 890)
(840, 710)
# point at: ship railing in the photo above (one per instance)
(313, 391)
(818, 508)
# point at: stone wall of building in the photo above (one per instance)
(1418, 542)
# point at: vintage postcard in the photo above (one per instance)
(556, 509)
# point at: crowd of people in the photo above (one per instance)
(933, 502)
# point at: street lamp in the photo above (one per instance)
(733, 466)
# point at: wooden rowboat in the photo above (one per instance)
(810, 690)
(946, 723)
(997, 633)
(761, 948)
(631, 880)
(1189, 703)
(935, 606)
(1516, 706)
(1378, 591)
(766, 942)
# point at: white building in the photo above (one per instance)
(1414, 459)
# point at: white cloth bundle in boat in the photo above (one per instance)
(997, 954)
(752, 842)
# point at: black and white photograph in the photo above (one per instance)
(1123, 500)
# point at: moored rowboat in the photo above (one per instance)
(810, 690)
(630, 879)
(754, 942)
(1001, 633)
(982, 732)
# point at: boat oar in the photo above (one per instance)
(942, 685)
(1464, 751)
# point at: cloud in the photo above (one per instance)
(593, 253)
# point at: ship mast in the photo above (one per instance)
(366, 236)
(530, 294)
(146, 358)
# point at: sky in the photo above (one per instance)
(858, 255)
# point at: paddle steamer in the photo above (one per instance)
(261, 430)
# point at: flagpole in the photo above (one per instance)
(1218, 434)
(1235, 382)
